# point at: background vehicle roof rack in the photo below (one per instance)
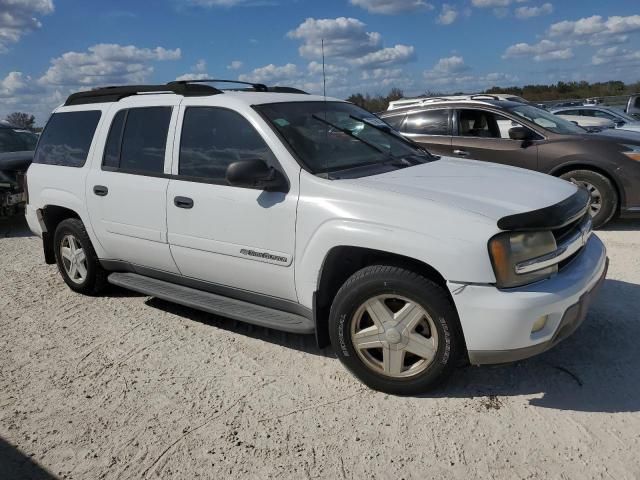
(484, 95)
(116, 93)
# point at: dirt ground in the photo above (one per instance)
(125, 386)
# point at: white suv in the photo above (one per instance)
(310, 215)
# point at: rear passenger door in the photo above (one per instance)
(239, 238)
(484, 135)
(126, 190)
(431, 129)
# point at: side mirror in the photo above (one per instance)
(519, 133)
(256, 174)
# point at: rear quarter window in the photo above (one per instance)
(66, 139)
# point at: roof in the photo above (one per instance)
(499, 104)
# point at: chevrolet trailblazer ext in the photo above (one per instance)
(310, 215)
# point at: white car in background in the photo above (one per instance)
(588, 123)
(620, 119)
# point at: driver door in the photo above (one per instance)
(241, 238)
(484, 135)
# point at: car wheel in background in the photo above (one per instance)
(604, 197)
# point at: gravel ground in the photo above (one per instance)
(126, 386)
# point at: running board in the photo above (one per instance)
(212, 303)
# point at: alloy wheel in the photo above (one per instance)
(394, 336)
(74, 259)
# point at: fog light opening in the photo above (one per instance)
(540, 324)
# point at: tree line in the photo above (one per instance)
(533, 93)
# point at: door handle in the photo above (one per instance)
(100, 190)
(462, 153)
(183, 202)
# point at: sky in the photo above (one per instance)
(51, 48)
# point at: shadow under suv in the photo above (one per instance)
(522, 135)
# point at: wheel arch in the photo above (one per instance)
(577, 165)
(52, 215)
(343, 261)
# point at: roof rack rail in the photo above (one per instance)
(116, 93)
(259, 87)
(484, 95)
(179, 87)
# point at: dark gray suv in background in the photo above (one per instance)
(522, 135)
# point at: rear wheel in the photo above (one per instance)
(76, 259)
(604, 197)
(395, 330)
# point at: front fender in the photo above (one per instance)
(456, 259)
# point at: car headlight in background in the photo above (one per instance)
(509, 249)
(633, 152)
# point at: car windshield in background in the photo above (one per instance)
(332, 136)
(546, 120)
(13, 140)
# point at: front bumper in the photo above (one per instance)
(498, 324)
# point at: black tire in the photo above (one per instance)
(607, 200)
(96, 277)
(376, 280)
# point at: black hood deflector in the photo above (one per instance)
(549, 218)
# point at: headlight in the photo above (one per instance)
(632, 151)
(509, 249)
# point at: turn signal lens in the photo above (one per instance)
(633, 155)
(539, 324)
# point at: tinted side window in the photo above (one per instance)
(114, 141)
(144, 139)
(478, 123)
(430, 122)
(395, 121)
(66, 138)
(213, 138)
(572, 112)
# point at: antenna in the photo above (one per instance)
(324, 76)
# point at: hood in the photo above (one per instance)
(630, 127)
(619, 135)
(491, 190)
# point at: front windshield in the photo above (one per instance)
(547, 120)
(622, 115)
(16, 140)
(332, 136)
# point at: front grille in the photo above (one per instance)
(566, 233)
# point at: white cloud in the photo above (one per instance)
(530, 12)
(494, 3)
(343, 38)
(616, 55)
(235, 65)
(193, 76)
(541, 51)
(18, 17)
(272, 74)
(595, 26)
(105, 63)
(230, 3)
(386, 57)
(200, 66)
(315, 68)
(453, 64)
(392, 7)
(448, 15)
(453, 73)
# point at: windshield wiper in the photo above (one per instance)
(346, 131)
(389, 131)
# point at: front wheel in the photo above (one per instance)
(604, 197)
(395, 330)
